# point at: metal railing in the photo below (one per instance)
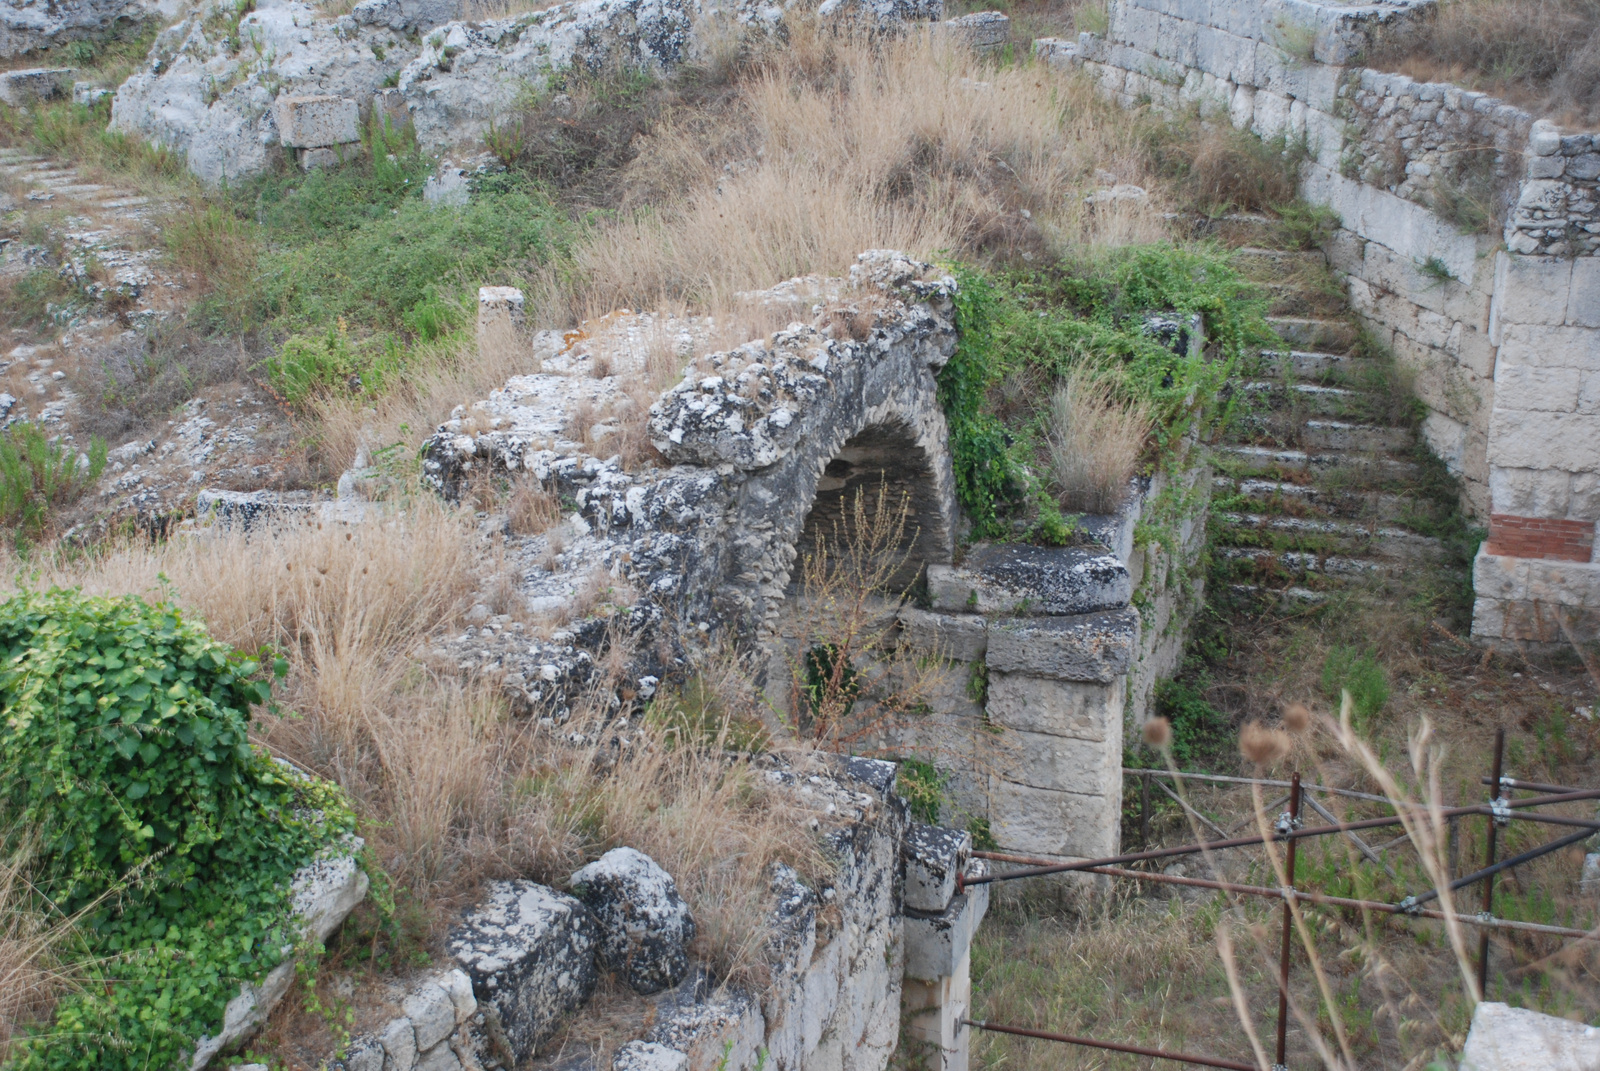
(1501, 810)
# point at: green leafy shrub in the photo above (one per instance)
(125, 744)
(1361, 674)
(1199, 729)
(38, 475)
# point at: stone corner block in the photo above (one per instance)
(315, 122)
(934, 856)
(1095, 647)
(1020, 579)
(530, 954)
(937, 942)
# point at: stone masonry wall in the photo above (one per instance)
(1417, 172)
(1053, 654)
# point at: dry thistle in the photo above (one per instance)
(1264, 746)
(1157, 732)
(1297, 717)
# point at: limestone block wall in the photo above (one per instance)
(1417, 173)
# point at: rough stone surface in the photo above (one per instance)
(649, 1056)
(31, 25)
(529, 951)
(982, 31)
(1504, 1038)
(645, 926)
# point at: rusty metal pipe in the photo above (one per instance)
(1114, 1046)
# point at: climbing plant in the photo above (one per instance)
(124, 745)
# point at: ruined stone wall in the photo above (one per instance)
(1468, 241)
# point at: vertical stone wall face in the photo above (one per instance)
(1417, 173)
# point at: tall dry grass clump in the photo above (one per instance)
(1094, 441)
(450, 788)
(30, 976)
(1545, 54)
(847, 144)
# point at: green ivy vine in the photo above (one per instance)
(124, 747)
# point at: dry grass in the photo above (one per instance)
(1094, 444)
(836, 145)
(30, 977)
(449, 788)
(1541, 54)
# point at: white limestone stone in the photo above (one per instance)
(309, 122)
(1503, 1038)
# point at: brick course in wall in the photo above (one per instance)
(1541, 537)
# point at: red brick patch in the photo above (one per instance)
(1541, 537)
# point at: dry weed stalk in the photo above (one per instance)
(850, 681)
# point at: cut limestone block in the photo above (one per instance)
(529, 951)
(981, 31)
(33, 84)
(1018, 579)
(937, 942)
(316, 122)
(1504, 1038)
(934, 856)
(645, 926)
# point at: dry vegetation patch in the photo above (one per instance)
(1541, 54)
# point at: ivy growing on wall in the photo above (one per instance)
(1031, 328)
(124, 748)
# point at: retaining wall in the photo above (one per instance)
(1468, 241)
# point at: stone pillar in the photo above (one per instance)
(939, 925)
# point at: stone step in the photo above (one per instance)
(1305, 563)
(1314, 534)
(1342, 435)
(1306, 365)
(1294, 299)
(1309, 397)
(125, 202)
(1251, 458)
(1291, 594)
(1234, 229)
(1310, 500)
(1310, 333)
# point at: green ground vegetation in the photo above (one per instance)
(125, 747)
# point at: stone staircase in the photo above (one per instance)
(108, 236)
(1315, 488)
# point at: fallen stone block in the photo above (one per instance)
(324, 891)
(316, 121)
(1504, 1038)
(34, 84)
(529, 952)
(645, 926)
(981, 31)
